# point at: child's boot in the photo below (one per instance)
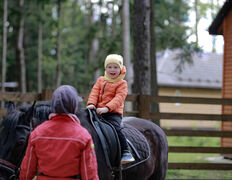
(127, 157)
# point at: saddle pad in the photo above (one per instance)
(139, 142)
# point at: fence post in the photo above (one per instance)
(144, 106)
(46, 94)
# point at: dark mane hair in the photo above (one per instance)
(9, 124)
(42, 110)
(25, 107)
(11, 119)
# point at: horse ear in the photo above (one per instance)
(10, 106)
(29, 113)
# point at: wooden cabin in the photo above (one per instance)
(201, 78)
(222, 25)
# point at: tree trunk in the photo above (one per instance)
(113, 25)
(95, 42)
(126, 44)
(40, 36)
(58, 50)
(154, 84)
(214, 11)
(197, 19)
(142, 41)
(21, 49)
(4, 46)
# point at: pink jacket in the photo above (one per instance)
(109, 94)
(60, 148)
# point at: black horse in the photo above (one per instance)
(15, 130)
(18, 124)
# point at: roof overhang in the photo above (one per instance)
(216, 27)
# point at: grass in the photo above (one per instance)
(193, 141)
(195, 158)
(199, 174)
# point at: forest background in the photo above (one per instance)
(46, 43)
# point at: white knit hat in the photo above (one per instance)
(114, 58)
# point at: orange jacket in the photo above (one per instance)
(109, 94)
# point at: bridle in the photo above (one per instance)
(8, 166)
(14, 169)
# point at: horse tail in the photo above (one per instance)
(158, 138)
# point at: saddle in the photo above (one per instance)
(107, 134)
(108, 138)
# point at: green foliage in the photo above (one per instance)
(185, 55)
(170, 28)
(74, 46)
(77, 35)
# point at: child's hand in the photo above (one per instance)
(91, 106)
(102, 110)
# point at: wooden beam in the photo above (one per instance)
(200, 166)
(132, 97)
(144, 106)
(190, 100)
(203, 133)
(190, 149)
(134, 113)
(19, 97)
(188, 116)
(47, 94)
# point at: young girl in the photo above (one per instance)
(107, 97)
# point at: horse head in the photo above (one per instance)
(13, 139)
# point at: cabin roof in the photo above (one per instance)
(204, 72)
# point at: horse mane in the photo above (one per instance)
(11, 119)
(42, 110)
(25, 107)
(13, 114)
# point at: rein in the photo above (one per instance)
(8, 166)
(7, 163)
